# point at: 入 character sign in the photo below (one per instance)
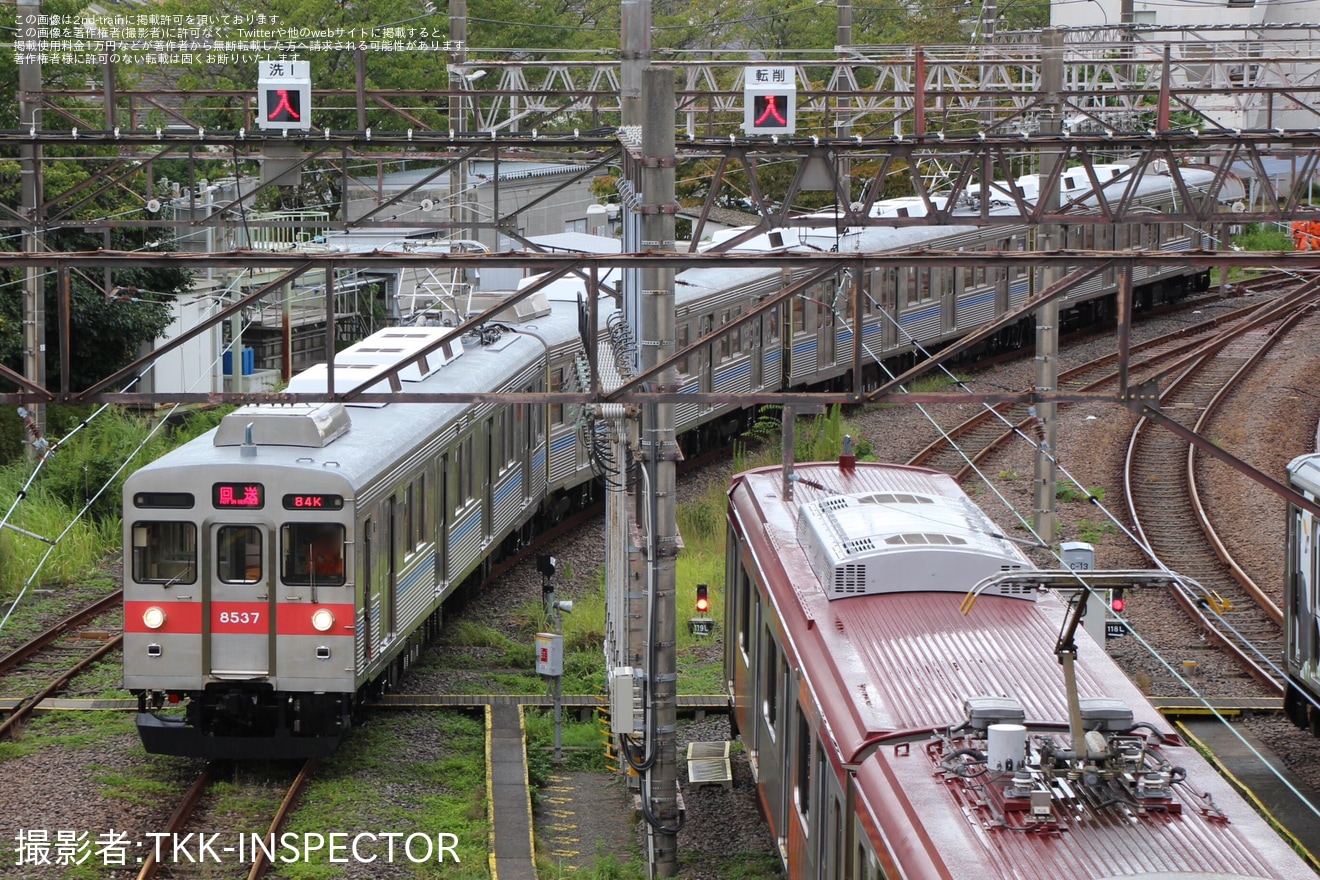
(769, 100)
(284, 95)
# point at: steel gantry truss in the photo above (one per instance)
(941, 123)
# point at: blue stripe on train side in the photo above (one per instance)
(509, 488)
(424, 571)
(472, 519)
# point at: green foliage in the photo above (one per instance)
(1264, 237)
(1009, 476)
(1069, 492)
(1093, 532)
(816, 438)
(381, 780)
(66, 482)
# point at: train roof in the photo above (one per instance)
(1304, 472)
(898, 672)
(352, 437)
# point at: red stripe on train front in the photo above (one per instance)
(240, 618)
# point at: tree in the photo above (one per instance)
(106, 331)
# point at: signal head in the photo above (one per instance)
(703, 599)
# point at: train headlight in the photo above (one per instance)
(154, 617)
(323, 619)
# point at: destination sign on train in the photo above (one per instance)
(244, 495)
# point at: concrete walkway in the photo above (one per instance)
(512, 850)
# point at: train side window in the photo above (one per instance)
(736, 335)
(802, 782)
(238, 554)
(681, 343)
(460, 464)
(723, 345)
(420, 500)
(799, 315)
(312, 553)
(771, 672)
(746, 597)
(165, 552)
(772, 324)
(409, 524)
(557, 384)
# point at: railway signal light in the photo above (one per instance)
(703, 599)
(284, 95)
(769, 100)
(1116, 600)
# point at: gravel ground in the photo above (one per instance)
(1275, 416)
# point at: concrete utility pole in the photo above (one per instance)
(660, 450)
(29, 163)
(1047, 317)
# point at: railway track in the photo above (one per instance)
(1222, 601)
(54, 644)
(961, 449)
(193, 798)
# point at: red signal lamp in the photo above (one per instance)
(1117, 602)
(703, 599)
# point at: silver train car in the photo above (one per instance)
(283, 568)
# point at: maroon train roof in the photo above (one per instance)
(885, 667)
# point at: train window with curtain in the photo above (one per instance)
(312, 553)
(681, 342)
(772, 324)
(238, 554)
(165, 553)
(802, 778)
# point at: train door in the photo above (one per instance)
(442, 514)
(389, 611)
(889, 308)
(240, 608)
(825, 326)
(367, 579)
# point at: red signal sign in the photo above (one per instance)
(284, 95)
(283, 105)
(769, 100)
(770, 111)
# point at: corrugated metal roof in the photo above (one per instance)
(891, 674)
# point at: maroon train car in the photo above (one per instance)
(893, 736)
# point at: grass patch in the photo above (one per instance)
(1093, 532)
(405, 773)
(81, 474)
(1069, 492)
(67, 730)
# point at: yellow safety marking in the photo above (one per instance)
(568, 827)
(560, 814)
(527, 790)
(560, 800)
(1243, 789)
(490, 797)
(565, 853)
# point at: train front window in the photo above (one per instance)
(312, 553)
(238, 554)
(165, 553)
